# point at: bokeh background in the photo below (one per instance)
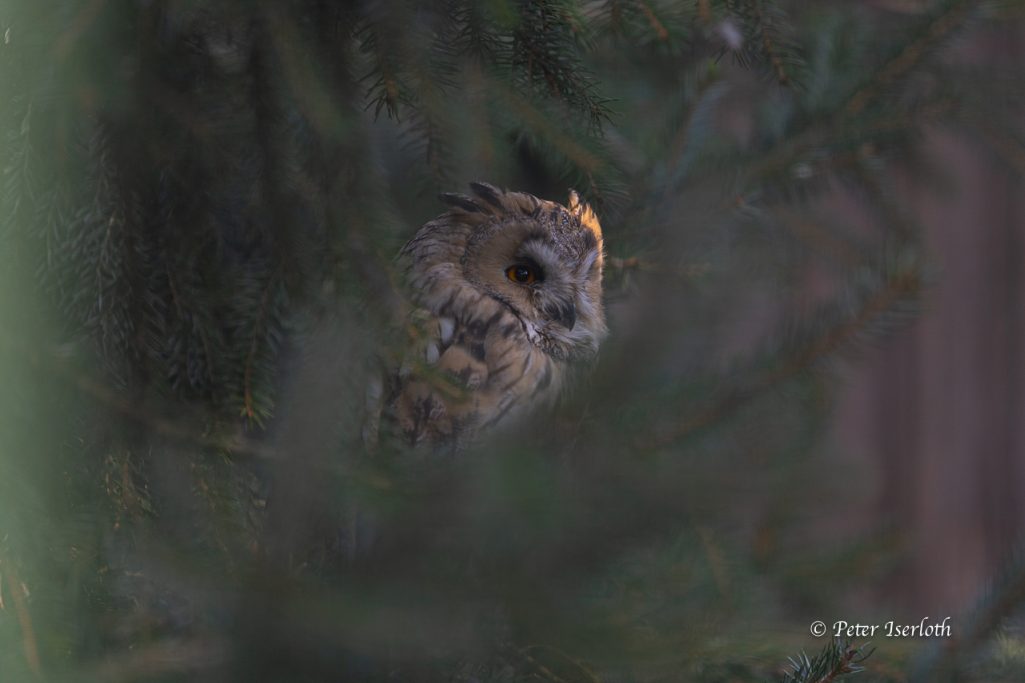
(809, 406)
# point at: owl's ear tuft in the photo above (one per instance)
(585, 213)
(461, 201)
(574, 201)
(489, 193)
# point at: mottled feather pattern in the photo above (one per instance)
(487, 347)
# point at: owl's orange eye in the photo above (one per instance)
(521, 274)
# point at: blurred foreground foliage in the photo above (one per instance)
(200, 203)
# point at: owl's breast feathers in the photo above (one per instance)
(473, 360)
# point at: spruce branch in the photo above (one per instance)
(254, 345)
(639, 21)
(898, 288)
(173, 656)
(837, 660)
(660, 30)
(540, 122)
(768, 40)
(830, 152)
(851, 121)
(1002, 142)
(705, 10)
(770, 46)
(550, 664)
(694, 123)
(260, 335)
(546, 58)
(475, 34)
(936, 29)
(1003, 597)
(19, 597)
(378, 36)
(55, 363)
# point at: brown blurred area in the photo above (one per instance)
(937, 412)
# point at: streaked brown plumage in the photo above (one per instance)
(507, 295)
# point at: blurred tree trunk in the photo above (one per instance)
(940, 408)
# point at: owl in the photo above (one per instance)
(506, 295)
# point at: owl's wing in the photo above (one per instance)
(470, 374)
(436, 393)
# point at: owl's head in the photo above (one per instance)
(542, 260)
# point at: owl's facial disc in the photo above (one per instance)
(526, 272)
(554, 309)
(544, 274)
(550, 276)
